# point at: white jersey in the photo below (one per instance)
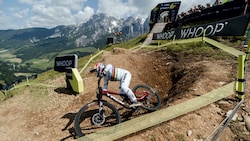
(118, 74)
(113, 74)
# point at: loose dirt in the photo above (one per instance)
(177, 78)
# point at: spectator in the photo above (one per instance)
(208, 5)
(201, 7)
(217, 2)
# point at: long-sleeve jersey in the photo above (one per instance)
(113, 74)
(118, 74)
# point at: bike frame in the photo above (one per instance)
(107, 111)
(110, 94)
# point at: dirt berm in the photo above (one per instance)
(176, 76)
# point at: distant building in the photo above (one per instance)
(110, 40)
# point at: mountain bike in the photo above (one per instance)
(100, 113)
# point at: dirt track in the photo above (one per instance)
(177, 77)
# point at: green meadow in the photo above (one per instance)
(12, 67)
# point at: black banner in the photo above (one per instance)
(63, 63)
(164, 12)
(230, 27)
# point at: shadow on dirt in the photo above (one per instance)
(71, 135)
(70, 117)
(183, 78)
(173, 73)
(63, 90)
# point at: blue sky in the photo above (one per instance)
(18, 14)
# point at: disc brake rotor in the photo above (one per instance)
(98, 119)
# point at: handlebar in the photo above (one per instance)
(99, 92)
(100, 77)
(92, 70)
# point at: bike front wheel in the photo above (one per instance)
(150, 102)
(92, 117)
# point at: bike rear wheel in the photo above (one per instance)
(152, 101)
(91, 118)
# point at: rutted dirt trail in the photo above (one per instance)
(50, 114)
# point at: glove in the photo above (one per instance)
(92, 70)
(99, 74)
(104, 91)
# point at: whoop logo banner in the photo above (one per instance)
(230, 27)
(63, 63)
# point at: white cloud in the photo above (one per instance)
(114, 8)
(85, 15)
(5, 21)
(21, 14)
(139, 8)
(3, 18)
(50, 16)
(50, 13)
(71, 4)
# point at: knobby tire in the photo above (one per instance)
(84, 122)
(151, 102)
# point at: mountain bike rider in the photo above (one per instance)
(111, 73)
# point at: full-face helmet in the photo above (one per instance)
(99, 67)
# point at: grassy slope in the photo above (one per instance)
(38, 64)
(40, 82)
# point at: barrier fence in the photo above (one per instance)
(155, 118)
(240, 85)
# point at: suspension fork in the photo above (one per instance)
(99, 100)
(101, 111)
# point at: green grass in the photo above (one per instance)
(23, 74)
(40, 64)
(160, 42)
(38, 91)
(9, 57)
(51, 74)
(81, 49)
(128, 44)
(46, 61)
(198, 48)
(6, 55)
